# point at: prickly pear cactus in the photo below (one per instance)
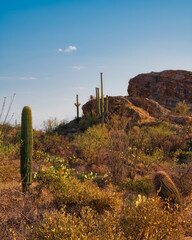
(165, 188)
(26, 148)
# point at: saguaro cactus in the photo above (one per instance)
(102, 104)
(98, 102)
(165, 188)
(26, 148)
(77, 104)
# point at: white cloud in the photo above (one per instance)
(70, 48)
(17, 78)
(59, 50)
(77, 68)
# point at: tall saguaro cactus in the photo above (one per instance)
(26, 148)
(102, 104)
(77, 104)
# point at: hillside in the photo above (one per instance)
(99, 181)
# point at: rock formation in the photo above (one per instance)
(121, 106)
(167, 87)
(152, 97)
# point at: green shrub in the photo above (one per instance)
(88, 226)
(91, 142)
(70, 191)
(50, 125)
(148, 139)
(143, 185)
(182, 108)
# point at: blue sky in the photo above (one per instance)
(52, 50)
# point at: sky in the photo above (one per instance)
(51, 50)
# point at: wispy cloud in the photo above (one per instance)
(70, 49)
(77, 68)
(17, 78)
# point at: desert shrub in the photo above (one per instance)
(163, 135)
(182, 108)
(117, 122)
(157, 135)
(53, 144)
(122, 157)
(89, 120)
(126, 157)
(70, 191)
(39, 155)
(91, 142)
(142, 185)
(9, 143)
(149, 160)
(182, 176)
(50, 125)
(50, 144)
(146, 219)
(9, 152)
(89, 225)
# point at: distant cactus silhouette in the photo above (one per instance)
(102, 104)
(26, 148)
(77, 104)
(165, 188)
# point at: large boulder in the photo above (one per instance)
(166, 87)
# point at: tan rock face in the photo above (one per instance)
(121, 106)
(138, 110)
(167, 87)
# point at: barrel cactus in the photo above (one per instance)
(26, 148)
(165, 188)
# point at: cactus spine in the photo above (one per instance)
(77, 104)
(26, 148)
(165, 188)
(102, 105)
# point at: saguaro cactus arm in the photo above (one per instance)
(102, 96)
(102, 104)
(98, 102)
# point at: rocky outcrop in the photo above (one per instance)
(167, 87)
(121, 106)
(152, 97)
(138, 110)
(149, 105)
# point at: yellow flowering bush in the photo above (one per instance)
(147, 219)
(88, 226)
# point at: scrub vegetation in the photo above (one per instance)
(111, 180)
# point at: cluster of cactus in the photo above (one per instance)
(166, 189)
(77, 104)
(102, 105)
(26, 148)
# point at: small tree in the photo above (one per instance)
(50, 124)
(182, 108)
